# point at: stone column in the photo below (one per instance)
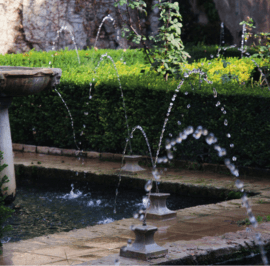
(6, 148)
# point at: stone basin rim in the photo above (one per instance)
(159, 194)
(28, 71)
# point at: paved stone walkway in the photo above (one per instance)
(195, 233)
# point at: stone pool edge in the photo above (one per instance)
(216, 168)
(203, 251)
(180, 251)
(36, 172)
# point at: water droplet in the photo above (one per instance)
(186, 93)
(141, 217)
(218, 103)
(188, 106)
(135, 215)
(156, 174)
(168, 146)
(210, 139)
(197, 134)
(222, 152)
(205, 132)
(217, 148)
(148, 185)
(170, 134)
(146, 202)
(178, 123)
(50, 62)
(222, 109)
(77, 173)
(170, 156)
(159, 160)
(234, 158)
(186, 75)
(211, 56)
(84, 126)
(215, 92)
(232, 145)
(189, 130)
(224, 112)
(179, 139)
(228, 135)
(226, 122)
(235, 172)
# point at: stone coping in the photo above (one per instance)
(196, 236)
(216, 168)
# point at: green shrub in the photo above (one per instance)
(100, 122)
(5, 212)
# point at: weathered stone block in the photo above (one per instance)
(118, 157)
(106, 155)
(68, 152)
(55, 151)
(43, 150)
(29, 148)
(93, 154)
(17, 147)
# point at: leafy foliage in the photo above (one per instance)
(168, 48)
(43, 119)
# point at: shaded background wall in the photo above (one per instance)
(27, 24)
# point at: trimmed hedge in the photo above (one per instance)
(43, 119)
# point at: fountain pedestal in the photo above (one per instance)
(14, 82)
(131, 164)
(158, 209)
(6, 148)
(144, 246)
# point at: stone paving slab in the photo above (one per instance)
(196, 233)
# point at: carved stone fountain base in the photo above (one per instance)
(144, 246)
(17, 82)
(131, 164)
(158, 209)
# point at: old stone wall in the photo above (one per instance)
(232, 12)
(27, 24)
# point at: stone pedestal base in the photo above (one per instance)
(6, 148)
(158, 209)
(131, 164)
(144, 246)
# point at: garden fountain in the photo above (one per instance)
(17, 82)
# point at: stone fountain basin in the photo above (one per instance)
(23, 81)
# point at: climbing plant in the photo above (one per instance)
(164, 50)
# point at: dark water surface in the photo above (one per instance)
(252, 259)
(51, 206)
